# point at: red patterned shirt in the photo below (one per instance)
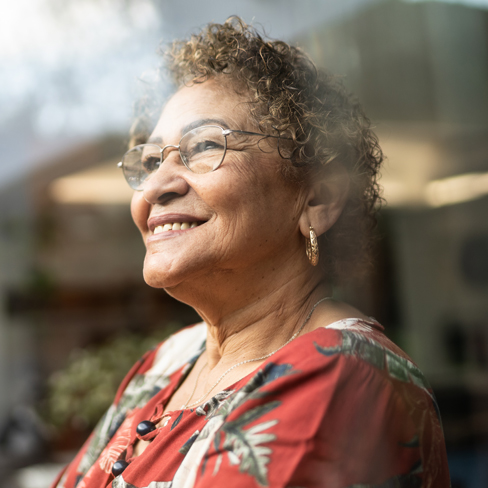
(340, 406)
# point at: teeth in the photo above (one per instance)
(175, 226)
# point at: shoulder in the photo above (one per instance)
(369, 404)
(350, 366)
(362, 343)
(353, 359)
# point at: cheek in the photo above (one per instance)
(244, 179)
(139, 209)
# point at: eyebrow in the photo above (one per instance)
(191, 126)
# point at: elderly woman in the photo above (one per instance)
(253, 193)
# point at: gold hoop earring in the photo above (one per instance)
(312, 248)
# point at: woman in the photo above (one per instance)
(253, 191)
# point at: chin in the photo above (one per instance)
(153, 281)
(157, 279)
(161, 272)
(172, 285)
(156, 274)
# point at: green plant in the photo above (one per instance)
(78, 395)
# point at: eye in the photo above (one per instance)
(206, 145)
(150, 162)
(202, 146)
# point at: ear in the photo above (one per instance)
(326, 198)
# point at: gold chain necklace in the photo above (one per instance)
(187, 405)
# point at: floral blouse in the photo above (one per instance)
(340, 406)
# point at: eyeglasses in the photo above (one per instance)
(202, 150)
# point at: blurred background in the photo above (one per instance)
(72, 298)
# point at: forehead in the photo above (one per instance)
(208, 103)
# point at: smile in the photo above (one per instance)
(174, 226)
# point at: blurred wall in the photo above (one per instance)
(16, 237)
(422, 61)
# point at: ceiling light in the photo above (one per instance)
(456, 189)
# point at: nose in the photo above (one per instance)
(167, 182)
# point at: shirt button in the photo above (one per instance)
(145, 427)
(119, 467)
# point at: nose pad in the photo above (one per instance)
(164, 163)
(163, 160)
(174, 149)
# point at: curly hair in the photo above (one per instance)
(290, 97)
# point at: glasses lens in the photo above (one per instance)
(203, 149)
(139, 163)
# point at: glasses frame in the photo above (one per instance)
(225, 133)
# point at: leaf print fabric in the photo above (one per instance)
(112, 452)
(372, 352)
(247, 448)
(341, 407)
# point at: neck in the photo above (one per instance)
(255, 320)
(258, 330)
